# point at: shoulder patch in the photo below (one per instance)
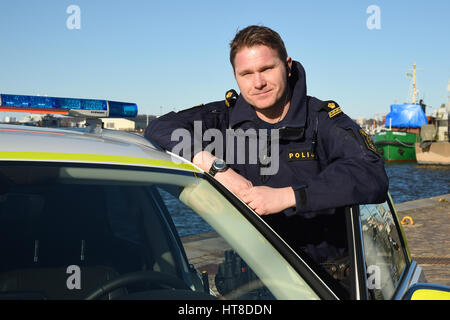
(331, 107)
(368, 141)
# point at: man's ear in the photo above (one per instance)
(289, 66)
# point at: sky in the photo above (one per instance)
(171, 55)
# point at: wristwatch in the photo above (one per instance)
(218, 166)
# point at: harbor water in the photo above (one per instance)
(410, 181)
(407, 182)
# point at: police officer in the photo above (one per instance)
(324, 159)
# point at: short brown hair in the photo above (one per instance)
(257, 35)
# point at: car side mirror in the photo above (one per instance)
(427, 291)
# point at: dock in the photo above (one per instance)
(428, 239)
(429, 236)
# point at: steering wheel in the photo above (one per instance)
(159, 278)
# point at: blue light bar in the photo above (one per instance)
(122, 109)
(89, 108)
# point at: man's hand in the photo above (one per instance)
(262, 199)
(266, 200)
(234, 182)
(204, 160)
(230, 178)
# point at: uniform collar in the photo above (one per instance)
(296, 116)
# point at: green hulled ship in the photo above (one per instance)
(404, 121)
(396, 146)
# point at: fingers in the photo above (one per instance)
(266, 200)
(259, 200)
(244, 194)
(258, 208)
(253, 205)
(261, 212)
(252, 199)
(248, 194)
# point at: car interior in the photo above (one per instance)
(105, 231)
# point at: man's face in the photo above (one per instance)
(261, 76)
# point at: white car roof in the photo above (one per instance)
(18, 142)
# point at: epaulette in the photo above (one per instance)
(191, 108)
(231, 97)
(331, 107)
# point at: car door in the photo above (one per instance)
(384, 267)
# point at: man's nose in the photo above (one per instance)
(258, 81)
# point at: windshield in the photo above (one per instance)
(68, 229)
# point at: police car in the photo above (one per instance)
(100, 214)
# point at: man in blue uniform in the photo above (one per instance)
(323, 159)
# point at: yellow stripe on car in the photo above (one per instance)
(428, 294)
(57, 156)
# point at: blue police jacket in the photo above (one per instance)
(323, 155)
(327, 159)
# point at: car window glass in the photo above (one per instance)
(211, 255)
(122, 214)
(321, 239)
(227, 252)
(185, 219)
(63, 235)
(383, 251)
(66, 230)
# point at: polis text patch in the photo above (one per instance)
(299, 155)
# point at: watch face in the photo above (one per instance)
(219, 164)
